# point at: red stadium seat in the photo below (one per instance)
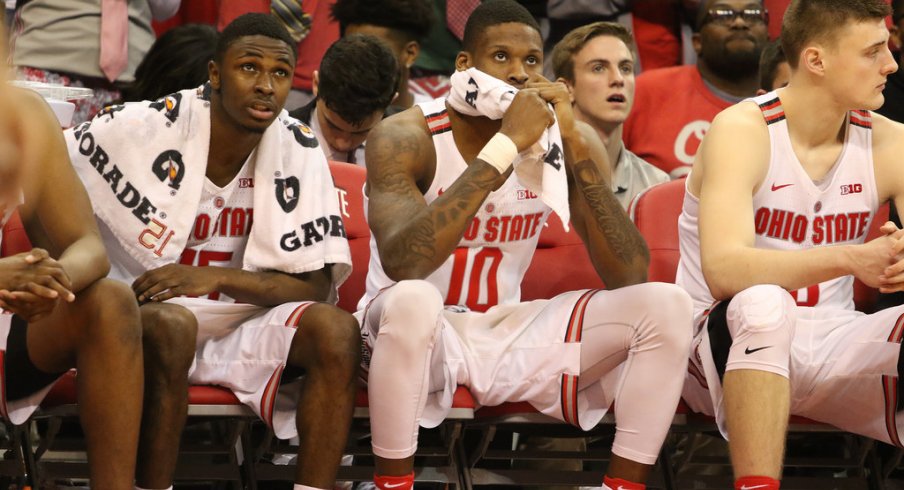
(349, 180)
(865, 297)
(655, 212)
(560, 264)
(14, 238)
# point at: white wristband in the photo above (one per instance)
(499, 152)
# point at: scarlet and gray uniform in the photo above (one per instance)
(842, 364)
(569, 356)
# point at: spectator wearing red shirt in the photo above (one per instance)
(674, 106)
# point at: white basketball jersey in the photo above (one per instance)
(487, 267)
(222, 225)
(792, 212)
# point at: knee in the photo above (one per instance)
(762, 309)
(330, 338)
(410, 314)
(110, 310)
(671, 312)
(169, 335)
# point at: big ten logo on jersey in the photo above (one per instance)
(524, 194)
(851, 189)
(824, 229)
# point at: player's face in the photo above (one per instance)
(603, 87)
(731, 44)
(341, 135)
(253, 80)
(858, 64)
(511, 52)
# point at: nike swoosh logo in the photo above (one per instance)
(745, 487)
(395, 485)
(751, 351)
(775, 188)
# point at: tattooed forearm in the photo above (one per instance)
(607, 214)
(414, 238)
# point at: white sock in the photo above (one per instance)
(299, 486)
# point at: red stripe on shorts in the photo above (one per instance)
(296, 315)
(268, 399)
(890, 388)
(570, 382)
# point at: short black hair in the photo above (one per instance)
(253, 24)
(491, 13)
(897, 10)
(412, 18)
(177, 60)
(772, 56)
(358, 76)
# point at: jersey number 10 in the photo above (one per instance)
(486, 259)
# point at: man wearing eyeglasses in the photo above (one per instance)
(675, 105)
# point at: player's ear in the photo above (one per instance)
(315, 82)
(813, 60)
(463, 61)
(213, 72)
(412, 50)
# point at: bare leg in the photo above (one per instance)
(757, 404)
(99, 334)
(169, 336)
(327, 346)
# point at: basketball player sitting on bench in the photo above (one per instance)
(784, 190)
(453, 225)
(56, 310)
(222, 215)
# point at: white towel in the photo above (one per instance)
(540, 168)
(144, 166)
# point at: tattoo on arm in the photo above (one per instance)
(608, 215)
(414, 234)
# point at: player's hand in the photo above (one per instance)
(874, 259)
(27, 305)
(175, 280)
(888, 228)
(556, 93)
(526, 118)
(38, 273)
